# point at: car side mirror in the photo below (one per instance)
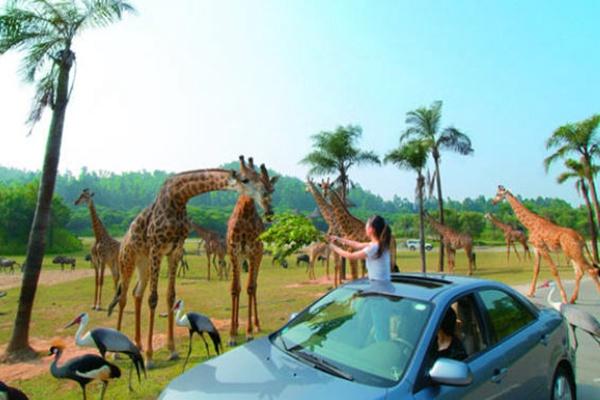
(451, 372)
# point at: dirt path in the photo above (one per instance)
(47, 278)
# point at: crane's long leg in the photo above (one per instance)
(189, 351)
(205, 343)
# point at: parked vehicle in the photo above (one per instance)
(378, 340)
(413, 244)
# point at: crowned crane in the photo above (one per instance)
(576, 317)
(197, 323)
(11, 393)
(83, 369)
(107, 339)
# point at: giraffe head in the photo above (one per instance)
(500, 195)
(256, 184)
(84, 197)
(325, 186)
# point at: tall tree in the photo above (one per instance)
(576, 170)
(44, 31)
(580, 138)
(424, 125)
(413, 155)
(336, 152)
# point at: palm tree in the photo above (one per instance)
(412, 155)
(44, 31)
(336, 152)
(424, 125)
(581, 139)
(576, 170)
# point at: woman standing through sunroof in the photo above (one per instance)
(376, 252)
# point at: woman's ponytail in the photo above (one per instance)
(383, 233)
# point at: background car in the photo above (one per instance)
(378, 340)
(413, 244)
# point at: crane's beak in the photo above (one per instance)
(70, 324)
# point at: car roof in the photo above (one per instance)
(422, 286)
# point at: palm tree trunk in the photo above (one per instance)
(438, 183)
(18, 347)
(420, 185)
(591, 222)
(592, 189)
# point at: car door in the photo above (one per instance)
(483, 360)
(515, 330)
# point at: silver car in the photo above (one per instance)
(378, 340)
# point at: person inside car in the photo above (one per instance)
(448, 345)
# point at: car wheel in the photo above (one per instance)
(563, 387)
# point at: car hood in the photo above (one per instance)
(259, 370)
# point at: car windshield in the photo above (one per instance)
(369, 337)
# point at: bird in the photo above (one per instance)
(107, 339)
(11, 393)
(197, 323)
(83, 369)
(576, 317)
(2, 294)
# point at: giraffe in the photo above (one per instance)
(333, 227)
(314, 251)
(453, 241)
(213, 246)
(546, 237)
(243, 244)
(105, 249)
(161, 229)
(511, 235)
(354, 229)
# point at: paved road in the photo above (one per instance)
(588, 352)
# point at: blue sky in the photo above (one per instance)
(193, 84)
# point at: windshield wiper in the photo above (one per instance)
(323, 365)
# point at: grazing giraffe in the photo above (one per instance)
(546, 237)
(453, 241)
(243, 244)
(354, 229)
(105, 250)
(314, 251)
(213, 246)
(161, 229)
(333, 227)
(511, 235)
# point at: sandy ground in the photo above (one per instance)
(47, 278)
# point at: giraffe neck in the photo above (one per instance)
(100, 231)
(324, 208)
(441, 229)
(501, 225)
(527, 217)
(347, 221)
(245, 210)
(184, 186)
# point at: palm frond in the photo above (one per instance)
(367, 157)
(43, 97)
(101, 13)
(412, 156)
(558, 154)
(454, 140)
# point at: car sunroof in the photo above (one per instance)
(426, 282)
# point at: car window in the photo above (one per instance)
(369, 335)
(506, 314)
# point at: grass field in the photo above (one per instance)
(280, 292)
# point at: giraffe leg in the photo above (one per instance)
(235, 297)
(469, 252)
(578, 270)
(152, 303)
(257, 262)
(251, 291)
(536, 272)
(100, 284)
(354, 269)
(516, 252)
(138, 295)
(172, 259)
(450, 253)
(94, 263)
(507, 251)
(208, 261)
(554, 271)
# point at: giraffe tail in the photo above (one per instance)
(115, 300)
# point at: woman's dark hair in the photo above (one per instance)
(382, 232)
(449, 322)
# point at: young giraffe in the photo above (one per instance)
(161, 229)
(511, 235)
(105, 250)
(546, 237)
(454, 241)
(212, 243)
(354, 229)
(243, 243)
(333, 227)
(314, 251)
